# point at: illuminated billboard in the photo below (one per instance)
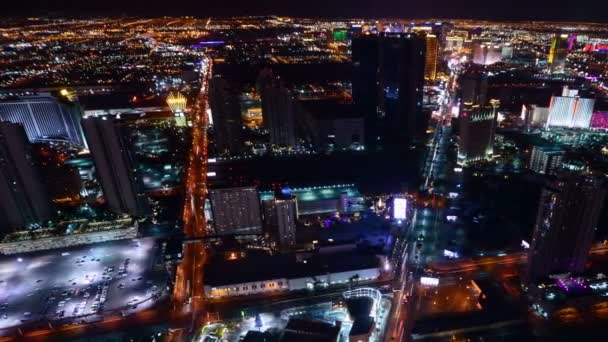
(399, 208)
(429, 281)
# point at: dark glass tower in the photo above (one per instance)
(388, 81)
(115, 167)
(567, 216)
(226, 112)
(23, 198)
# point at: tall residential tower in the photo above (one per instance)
(567, 217)
(23, 197)
(114, 166)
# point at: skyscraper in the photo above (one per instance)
(567, 216)
(226, 112)
(477, 127)
(280, 215)
(236, 210)
(23, 197)
(278, 109)
(114, 166)
(430, 62)
(388, 80)
(558, 52)
(545, 159)
(45, 117)
(570, 111)
(487, 54)
(474, 87)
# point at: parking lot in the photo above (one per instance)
(81, 283)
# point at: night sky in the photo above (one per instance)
(585, 10)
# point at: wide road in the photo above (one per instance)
(188, 294)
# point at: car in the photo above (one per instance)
(4, 316)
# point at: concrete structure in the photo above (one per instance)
(545, 159)
(87, 233)
(236, 211)
(567, 216)
(283, 273)
(226, 112)
(308, 330)
(23, 198)
(477, 127)
(45, 117)
(534, 115)
(114, 167)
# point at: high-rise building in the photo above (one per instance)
(546, 159)
(23, 198)
(487, 54)
(506, 51)
(236, 211)
(570, 111)
(567, 216)
(278, 109)
(45, 117)
(477, 127)
(114, 166)
(226, 112)
(474, 87)
(280, 215)
(430, 63)
(388, 80)
(558, 53)
(453, 43)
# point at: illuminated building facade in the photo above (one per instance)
(567, 217)
(558, 53)
(388, 81)
(545, 159)
(487, 54)
(236, 211)
(343, 198)
(599, 120)
(570, 111)
(23, 197)
(114, 167)
(45, 117)
(430, 62)
(477, 127)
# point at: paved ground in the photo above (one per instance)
(79, 283)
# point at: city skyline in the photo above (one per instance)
(518, 10)
(292, 178)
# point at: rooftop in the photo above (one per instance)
(226, 272)
(317, 193)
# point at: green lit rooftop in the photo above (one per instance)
(317, 193)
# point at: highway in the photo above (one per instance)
(188, 294)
